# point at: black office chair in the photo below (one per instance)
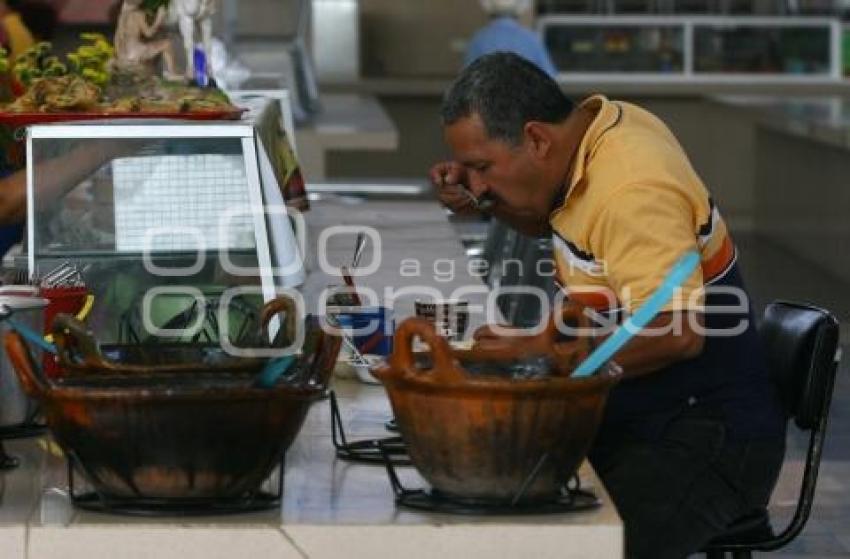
(803, 354)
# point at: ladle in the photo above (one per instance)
(681, 271)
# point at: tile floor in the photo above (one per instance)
(772, 273)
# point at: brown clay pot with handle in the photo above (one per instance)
(79, 353)
(491, 438)
(165, 434)
(563, 356)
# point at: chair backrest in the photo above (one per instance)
(802, 345)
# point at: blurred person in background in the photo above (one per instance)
(22, 23)
(505, 33)
(39, 16)
(14, 33)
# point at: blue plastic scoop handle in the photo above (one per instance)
(31, 336)
(681, 271)
(273, 370)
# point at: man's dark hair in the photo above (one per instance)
(506, 91)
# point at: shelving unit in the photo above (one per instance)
(694, 48)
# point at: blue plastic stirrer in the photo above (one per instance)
(681, 271)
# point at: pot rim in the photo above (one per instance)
(174, 394)
(554, 386)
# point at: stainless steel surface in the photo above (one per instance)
(336, 40)
(370, 190)
(271, 42)
(345, 122)
(15, 406)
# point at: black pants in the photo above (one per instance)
(677, 493)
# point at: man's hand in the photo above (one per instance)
(489, 332)
(501, 337)
(449, 179)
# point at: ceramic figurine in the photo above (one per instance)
(192, 15)
(136, 44)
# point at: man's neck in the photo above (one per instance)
(572, 133)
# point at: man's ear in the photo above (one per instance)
(538, 138)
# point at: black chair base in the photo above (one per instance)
(803, 354)
(745, 534)
(749, 530)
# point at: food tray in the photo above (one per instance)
(18, 120)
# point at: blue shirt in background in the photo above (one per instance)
(505, 34)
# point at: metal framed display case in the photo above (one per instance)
(256, 100)
(191, 211)
(694, 48)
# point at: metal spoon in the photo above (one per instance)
(483, 203)
(355, 353)
(359, 245)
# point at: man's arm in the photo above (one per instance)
(652, 349)
(647, 353)
(55, 178)
(13, 198)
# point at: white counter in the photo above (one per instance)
(345, 122)
(820, 118)
(330, 508)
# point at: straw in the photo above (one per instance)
(31, 336)
(681, 271)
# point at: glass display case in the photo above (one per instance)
(616, 47)
(192, 213)
(694, 47)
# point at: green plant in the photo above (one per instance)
(91, 60)
(33, 63)
(151, 6)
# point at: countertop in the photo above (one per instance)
(626, 85)
(346, 121)
(418, 252)
(330, 507)
(350, 121)
(823, 118)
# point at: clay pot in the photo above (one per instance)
(490, 438)
(80, 354)
(181, 432)
(563, 357)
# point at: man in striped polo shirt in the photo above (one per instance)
(693, 436)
